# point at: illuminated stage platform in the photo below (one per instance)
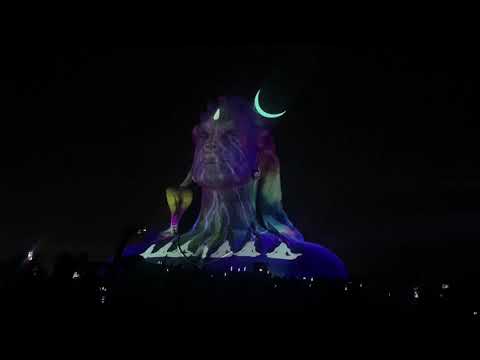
(303, 260)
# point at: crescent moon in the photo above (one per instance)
(259, 109)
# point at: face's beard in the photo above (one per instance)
(226, 167)
(221, 174)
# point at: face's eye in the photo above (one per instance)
(202, 134)
(230, 134)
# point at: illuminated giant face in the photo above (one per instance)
(225, 147)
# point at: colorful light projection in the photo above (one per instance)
(241, 221)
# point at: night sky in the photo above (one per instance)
(378, 148)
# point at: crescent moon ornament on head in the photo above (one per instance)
(263, 113)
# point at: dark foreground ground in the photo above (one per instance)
(132, 284)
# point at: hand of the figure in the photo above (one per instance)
(179, 200)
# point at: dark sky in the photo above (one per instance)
(378, 148)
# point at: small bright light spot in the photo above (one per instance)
(231, 268)
(445, 286)
(311, 279)
(304, 278)
(76, 275)
(310, 285)
(361, 285)
(389, 294)
(346, 288)
(275, 286)
(216, 116)
(244, 268)
(30, 255)
(261, 270)
(238, 270)
(102, 299)
(168, 270)
(475, 313)
(225, 274)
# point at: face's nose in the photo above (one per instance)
(210, 146)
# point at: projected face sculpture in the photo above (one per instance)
(241, 218)
(225, 148)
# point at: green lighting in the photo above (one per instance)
(216, 116)
(264, 113)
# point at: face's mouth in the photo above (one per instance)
(210, 160)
